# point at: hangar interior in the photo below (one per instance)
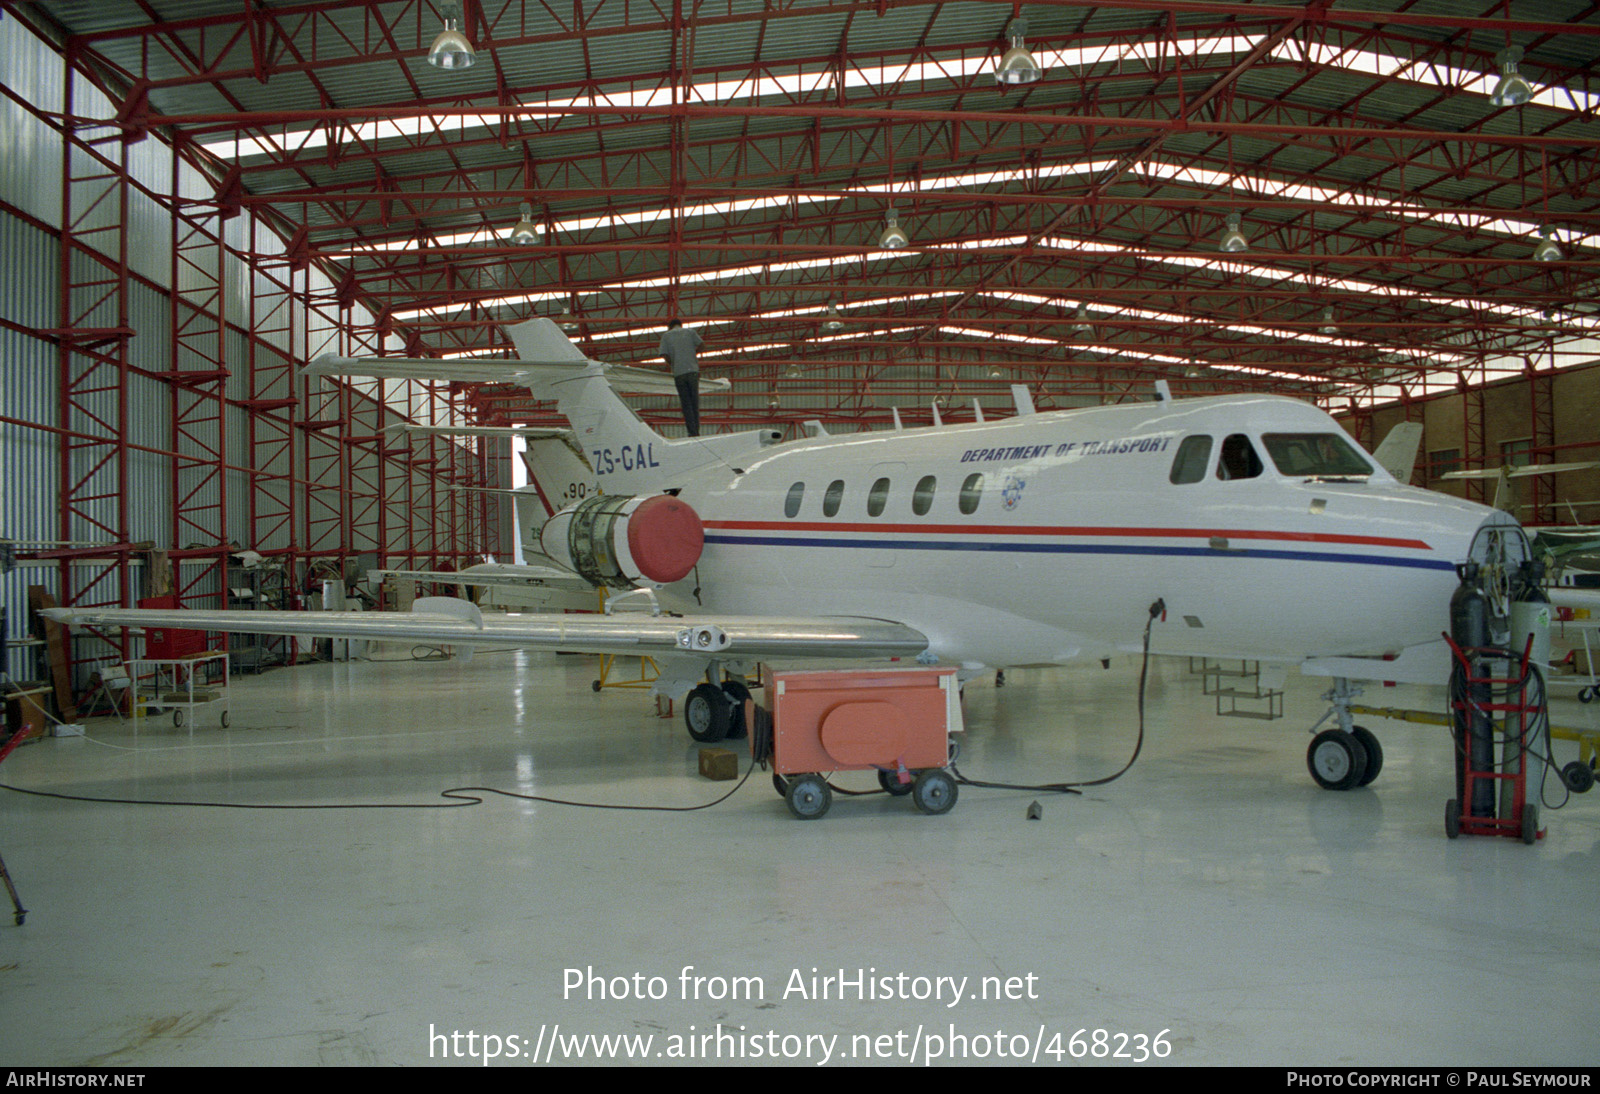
(1384, 211)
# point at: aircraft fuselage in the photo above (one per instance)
(1045, 537)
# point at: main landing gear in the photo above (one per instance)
(715, 713)
(1346, 757)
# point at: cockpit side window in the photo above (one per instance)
(1189, 465)
(1314, 455)
(1238, 459)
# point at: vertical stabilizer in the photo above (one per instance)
(1398, 452)
(626, 455)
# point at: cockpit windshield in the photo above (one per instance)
(1315, 455)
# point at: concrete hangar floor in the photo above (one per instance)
(1210, 907)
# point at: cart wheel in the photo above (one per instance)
(890, 781)
(595, 686)
(1452, 818)
(1586, 695)
(1530, 824)
(224, 719)
(177, 718)
(809, 797)
(954, 747)
(22, 917)
(1578, 776)
(934, 792)
(780, 784)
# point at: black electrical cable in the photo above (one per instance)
(1155, 611)
(459, 797)
(458, 793)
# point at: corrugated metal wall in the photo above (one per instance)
(30, 259)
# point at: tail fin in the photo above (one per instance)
(1398, 452)
(627, 456)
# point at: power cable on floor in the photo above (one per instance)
(1075, 787)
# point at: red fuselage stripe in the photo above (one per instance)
(1061, 530)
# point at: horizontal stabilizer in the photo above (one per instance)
(547, 356)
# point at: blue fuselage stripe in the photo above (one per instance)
(1082, 549)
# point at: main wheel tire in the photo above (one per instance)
(737, 693)
(1374, 750)
(707, 714)
(934, 791)
(890, 781)
(1578, 776)
(808, 796)
(1337, 761)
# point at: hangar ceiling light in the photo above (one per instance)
(1547, 249)
(1511, 89)
(526, 231)
(1018, 65)
(1233, 240)
(893, 237)
(451, 49)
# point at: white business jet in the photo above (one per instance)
(1262, 530)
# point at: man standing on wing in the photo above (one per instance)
(679, 346)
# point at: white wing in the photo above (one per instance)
(548, 357)
(457, 622)
(498, 573)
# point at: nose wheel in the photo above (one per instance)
(1344, 761)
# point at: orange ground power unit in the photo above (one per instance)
(894, 721)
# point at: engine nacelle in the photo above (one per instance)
(623, 540)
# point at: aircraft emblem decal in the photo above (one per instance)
(1012, 492)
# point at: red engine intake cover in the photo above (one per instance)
(665, 538)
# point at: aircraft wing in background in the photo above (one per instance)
(501, 574)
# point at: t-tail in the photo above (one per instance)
(628, 457)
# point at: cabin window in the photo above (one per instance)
(1314, 455)
(1189, 465)
(877, 498)
(1239, 459)
(791, 504)
(922, 496)
(831, 500)
(971, 491)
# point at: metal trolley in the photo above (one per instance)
(182, 685)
